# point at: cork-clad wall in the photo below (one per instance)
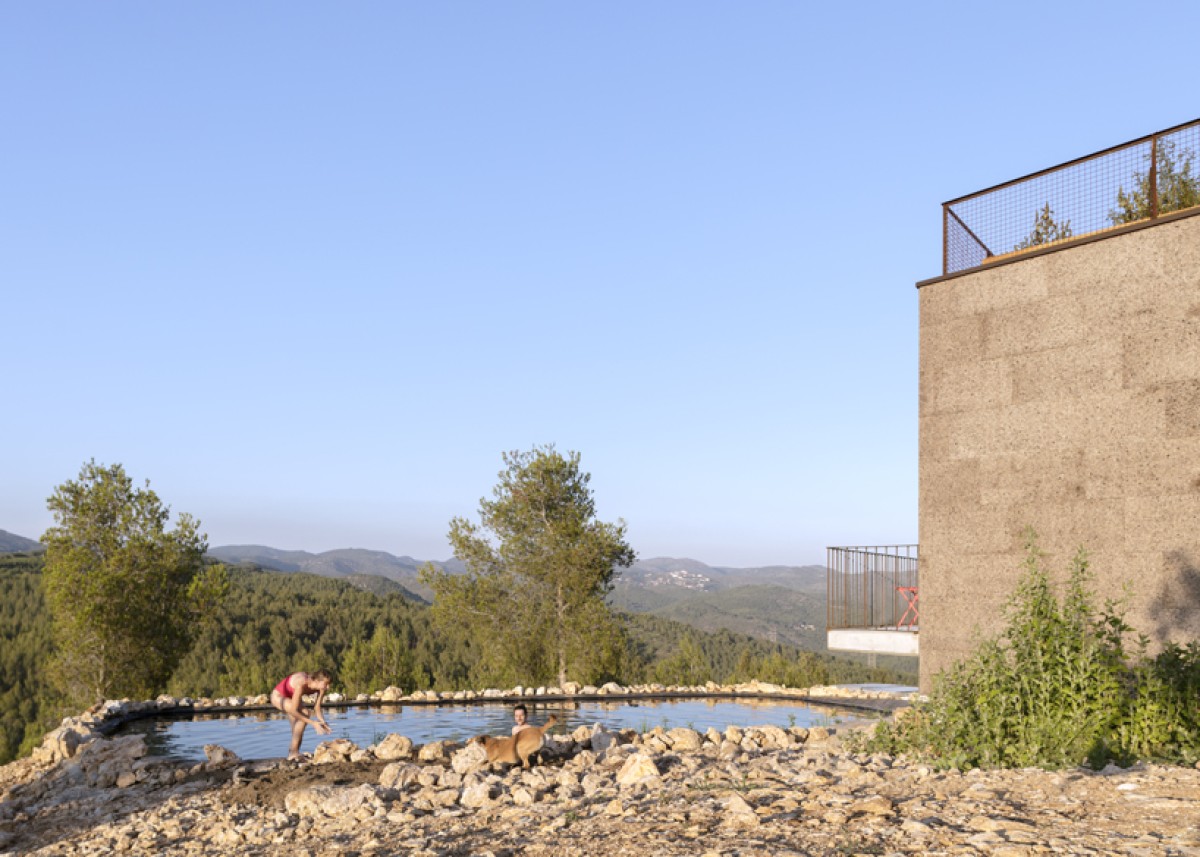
(1062, 392)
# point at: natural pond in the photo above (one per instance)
(264, 734)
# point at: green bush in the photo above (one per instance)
(1057, 687)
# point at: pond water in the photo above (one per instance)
(265, 734)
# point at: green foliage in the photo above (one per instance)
(688, 666)
(1178, 187)
(665, 651)
(1057, 687)
(272, 624)
(1046, 230)
(382, 661)
(539, 568)
(29, 703)
(125, 594)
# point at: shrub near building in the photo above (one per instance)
(1061, 685)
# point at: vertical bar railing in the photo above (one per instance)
(871, 587)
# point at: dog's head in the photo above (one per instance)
(550, 721)
(481, 740)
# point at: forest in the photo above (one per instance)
(272, 623)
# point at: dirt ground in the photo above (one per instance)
(271, 787)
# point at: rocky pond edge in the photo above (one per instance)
(664, 791)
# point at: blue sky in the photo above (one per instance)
(310, 268)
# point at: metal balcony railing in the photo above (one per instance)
(1100, 193)
(873, 587)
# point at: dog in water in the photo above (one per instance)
(517, 748)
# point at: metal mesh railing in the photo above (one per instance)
(1130, 183)
(872, 587)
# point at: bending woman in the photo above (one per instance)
(288, 697)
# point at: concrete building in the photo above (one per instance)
(1060, 390)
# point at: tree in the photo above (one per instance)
(1177, 187)
(384, 660)
(124, 594)
(539, 568)
(1045, 230)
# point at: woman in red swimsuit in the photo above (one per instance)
(288, 697)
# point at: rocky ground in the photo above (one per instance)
(741, 792)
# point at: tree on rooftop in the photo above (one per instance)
(1178, 187)
(1046, 230)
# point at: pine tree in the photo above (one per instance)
(539, 568)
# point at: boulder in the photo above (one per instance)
(570, 688)
(477, 795)
(398, 775)
(218, 755)
(337, 750)
(391, 694)
(63, 743)
(739, 813)
(522, 796)
(656, 743)
(473, 757)
(684, 739)
(438, 751)
(772, 736)
(728, 750)
(639, 769)
(601, 740)
(394, 747)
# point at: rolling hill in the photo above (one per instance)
(784, 604)
(12, 543)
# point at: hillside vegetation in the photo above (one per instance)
(272, 623)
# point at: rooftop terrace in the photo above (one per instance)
(1117, 189)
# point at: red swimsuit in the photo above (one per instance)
(285, 688)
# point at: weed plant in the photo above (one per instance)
(1061, 685)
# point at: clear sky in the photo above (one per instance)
(309, 268)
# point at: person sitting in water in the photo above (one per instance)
(520, 718)
(288, 697)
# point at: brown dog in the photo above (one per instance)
(520, 746)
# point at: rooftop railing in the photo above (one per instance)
(873, 587)
(1137, 181)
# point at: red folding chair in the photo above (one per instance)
(910, 596)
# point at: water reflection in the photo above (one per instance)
(265, 734)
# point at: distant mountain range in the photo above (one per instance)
(344, 563)
(785, 604)
(12, 543)
(781, 603)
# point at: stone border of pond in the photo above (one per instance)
(109, 716)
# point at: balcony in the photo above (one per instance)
(873, 600)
